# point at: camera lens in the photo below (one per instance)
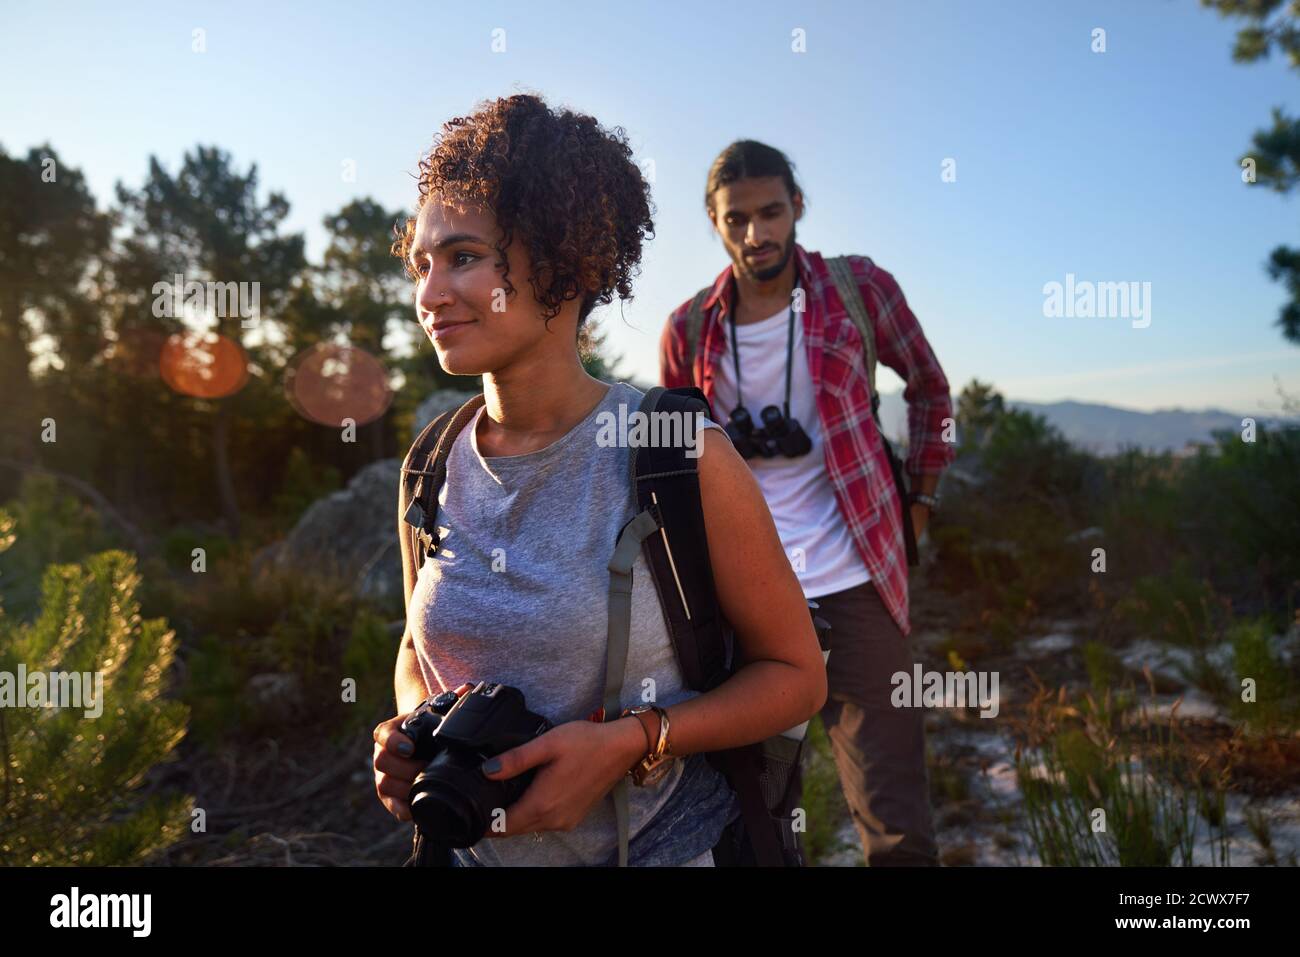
(452, 802)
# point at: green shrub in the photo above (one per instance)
(51, 527)
(1098, 767)
(304, 482)
(1275, 686)
(1104, 669)
(823, 798)
(306, 627)
(71, 780)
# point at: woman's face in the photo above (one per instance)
(460, 297)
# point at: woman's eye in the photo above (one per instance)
(463, 258)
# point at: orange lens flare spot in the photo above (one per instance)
(206, 365)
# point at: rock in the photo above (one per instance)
(351, 533)
(929, 639)
(276, 696)
(1049, 645)
(444, 400)
(1192, 705)
(1169, 666)
(1286, 646)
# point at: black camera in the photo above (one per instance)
(451, 801)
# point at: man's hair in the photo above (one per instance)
(565, 186)
(744, 159)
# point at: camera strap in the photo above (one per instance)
(789, 352)
(636, 531)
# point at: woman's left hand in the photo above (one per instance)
(578, 763)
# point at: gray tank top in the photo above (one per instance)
(517, 594)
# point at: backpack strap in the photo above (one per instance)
(695, 322)
(666, 483)
(846, 284)
(422, 475)
(633, 534)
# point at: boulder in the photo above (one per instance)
(444, 400)
(351, 533)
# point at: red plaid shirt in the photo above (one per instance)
(855, 456)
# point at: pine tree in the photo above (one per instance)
(68, 781)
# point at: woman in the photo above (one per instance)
(528, 218)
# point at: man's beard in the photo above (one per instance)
(771, 272)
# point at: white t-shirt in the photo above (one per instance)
(798, 490)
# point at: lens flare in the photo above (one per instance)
(206, 365)
(329, 383)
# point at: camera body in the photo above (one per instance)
(451, 801)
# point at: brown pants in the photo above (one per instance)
(879, 749)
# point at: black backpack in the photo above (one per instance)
(766, 775)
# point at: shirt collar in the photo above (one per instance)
(724, 287)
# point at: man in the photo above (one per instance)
(772, 334)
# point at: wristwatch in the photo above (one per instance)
(929, 501)
(658, 761)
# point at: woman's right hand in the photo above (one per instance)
(395, 770)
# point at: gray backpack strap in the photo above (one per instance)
(847, 286)
(620, 626)
(695, 322)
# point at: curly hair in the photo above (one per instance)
(566, 186)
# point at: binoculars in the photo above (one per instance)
(778, 435)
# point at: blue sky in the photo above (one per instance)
(1114, 166)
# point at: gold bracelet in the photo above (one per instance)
(662, 747)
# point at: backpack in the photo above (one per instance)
(668, 529)
(847, 287)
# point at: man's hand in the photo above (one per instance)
(578, 763)
(923, 485)
(920, 518)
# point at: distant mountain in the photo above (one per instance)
(1103, 429)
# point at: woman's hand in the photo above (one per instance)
(395, 770)
(578, 763)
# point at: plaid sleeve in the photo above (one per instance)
(675, 369)
(901, 345)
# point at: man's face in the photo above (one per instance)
(755, 218)
(460, 299)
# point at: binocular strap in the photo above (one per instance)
(628, 546)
